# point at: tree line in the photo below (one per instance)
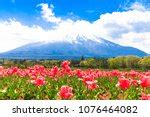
(121, 62)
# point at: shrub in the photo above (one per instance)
(132, 61)
(145, 63)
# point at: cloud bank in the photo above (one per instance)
(128, 28)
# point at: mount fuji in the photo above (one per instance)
(80, 46)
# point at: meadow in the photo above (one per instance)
(66, 83)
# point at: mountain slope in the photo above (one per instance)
(69, 50)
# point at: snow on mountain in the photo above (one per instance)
(72, 47)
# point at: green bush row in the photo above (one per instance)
(121, 62)
(128, 62)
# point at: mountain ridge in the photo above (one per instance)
(80, 47)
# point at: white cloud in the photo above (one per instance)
(14, 34)
(48, 14)
(128, 28)
(139, 40)
(137, 6)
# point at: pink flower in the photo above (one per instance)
(123, 83)
(1, 68)
(145, 81)
(65, 64)
(92, 85)
(40, 81)
(115, 73)
(65, 92)
(1, 71)
(66, 68)
(145, 96)
(90, 81)
(54, 71)
(133, 74)
(79, 73)
(88, 78)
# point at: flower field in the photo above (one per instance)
(38, 82)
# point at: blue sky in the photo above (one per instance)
(87, 9)
(125, 22)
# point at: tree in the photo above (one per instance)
(145, 63)
(113, 64)
(91, 63)
(132, 61)
(116, 63)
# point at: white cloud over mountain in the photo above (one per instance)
(128, 28)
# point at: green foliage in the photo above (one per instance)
(145, 63)
(28, 63)
(17, 88)
(49, 63)
(113, 63)
(121, 62)
(75, 63)
(103, 63)
(129, 62)
(90, 63)
(116, 63)
(132, 62)
(8, 63)
(94, 63)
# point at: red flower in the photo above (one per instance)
(65, 92)
(79, 73)
(65, 64)
(145, 96)
(1, 68)
(1, 71)
(91, 85)
(115, 73)
(39, 68)
(145, 81)
(88, 78)
(133, 74)
(39, 81)
(90, 81)
(123, 83)
(54, 71)
(66, 68)
(21, 73)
